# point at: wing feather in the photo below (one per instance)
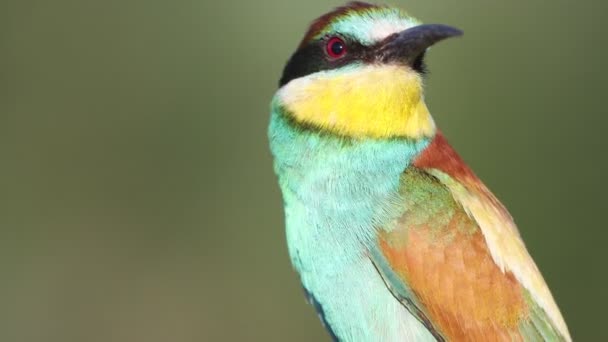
(456, 260)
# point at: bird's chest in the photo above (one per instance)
(329, 231)
(337, 194)
(334, 203)
(333, 217)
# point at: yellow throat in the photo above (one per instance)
(376, 101)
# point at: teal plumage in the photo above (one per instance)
(393, 236)
(336, 193)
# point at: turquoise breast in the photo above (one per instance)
(337, 193)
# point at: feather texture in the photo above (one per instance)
(393, 236)
(466, 284)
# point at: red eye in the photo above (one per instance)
(336, 48)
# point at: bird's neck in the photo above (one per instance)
(337, 191)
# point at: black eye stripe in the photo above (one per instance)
(315, 57)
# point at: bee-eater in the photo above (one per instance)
(394, 237)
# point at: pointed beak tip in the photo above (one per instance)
(454, 32)
(457, 32)
(440, 30)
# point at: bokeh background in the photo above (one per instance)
(137, 198)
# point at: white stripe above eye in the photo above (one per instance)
(384, 28)
(373, 26)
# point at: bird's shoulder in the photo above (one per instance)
(456, 260)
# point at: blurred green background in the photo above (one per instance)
(137, 197)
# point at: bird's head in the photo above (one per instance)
(358, 73)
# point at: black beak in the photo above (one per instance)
(409, 45)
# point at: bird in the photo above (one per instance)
(393, 236)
